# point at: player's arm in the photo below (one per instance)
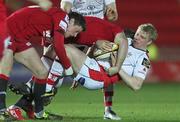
(133, 82)
(44, 4)
(61, 52)
(111, 11)
(121, 41)
(66, 5)
(140, 71)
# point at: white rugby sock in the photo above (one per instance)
(55, 72)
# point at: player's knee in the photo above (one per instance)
(41, 74)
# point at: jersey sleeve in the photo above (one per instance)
(142, 67)
(60, 20)
(60, 49)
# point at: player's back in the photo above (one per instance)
(30, 21)
(2, 1)
(98, 29)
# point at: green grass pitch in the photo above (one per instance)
(153, 103)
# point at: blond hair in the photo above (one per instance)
(149, 28)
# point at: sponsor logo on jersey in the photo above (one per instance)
(47, 33)
(146, 63)
(28, 44)
(64, 23)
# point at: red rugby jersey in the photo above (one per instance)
(97, 29)
(32, 21)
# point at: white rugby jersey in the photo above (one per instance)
(137, 62)
(94, 8)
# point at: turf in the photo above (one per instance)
(153, 103)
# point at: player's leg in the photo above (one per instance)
(104, 60)
(81, 65)
(5, 68)
(108, 98)
(3, 78)
(56, 71)
(24, 103)
(55, 76)
(31, 60)
(76, 57)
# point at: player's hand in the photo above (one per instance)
(74, 85)
(111, 14)
(113, 70)
(105, 46)
(45, 4)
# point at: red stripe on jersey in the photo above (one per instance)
(103, 76)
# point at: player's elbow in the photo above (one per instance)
(137, 85)
(66, 6)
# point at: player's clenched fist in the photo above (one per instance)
(111, 14)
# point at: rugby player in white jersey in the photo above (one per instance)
(137, 64)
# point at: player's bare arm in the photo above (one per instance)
(133, 82)
(122, 42)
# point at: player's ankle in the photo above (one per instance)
(39, 114)
(108, 108)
